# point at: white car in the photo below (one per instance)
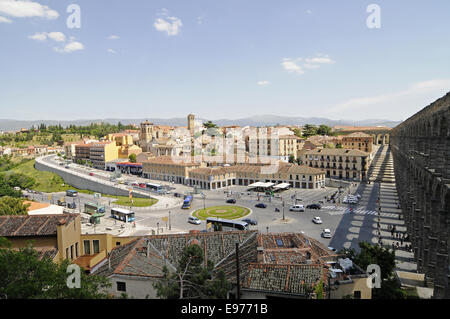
(326, 233)
(297, 208)
(317, 220)
(194, 220)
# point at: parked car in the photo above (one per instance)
(67, 166)
(297, 208)
(91, 174)
(194, 220)
(326, 233)
(71, 205)
(231, 201)
(250, 221)
(261, 205)
(317, 220)
(314, 206)
(142, 185)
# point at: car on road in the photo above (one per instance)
(250, 221)
(71, 205)
(314, 206)
(142, 185)
(231, 201)
(326, 233)
(91, 174)
(194, 220)
(317, 220)
(297, 208)
(261, 205)
(67, 166)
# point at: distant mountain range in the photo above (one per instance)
(258, 120)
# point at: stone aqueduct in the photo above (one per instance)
(421, 151)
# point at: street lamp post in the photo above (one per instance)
(170, 226)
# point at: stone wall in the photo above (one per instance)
(421, 150)
(84, 182)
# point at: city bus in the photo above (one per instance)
(154, 187)
(220, 224)
(71, 193)
(93, 208)
(187, 202)
(122, 214)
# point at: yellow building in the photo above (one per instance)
(164, 168)
(358, 141)
(339, 162)
(97, 152)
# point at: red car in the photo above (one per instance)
(92, 174)
(142, 185)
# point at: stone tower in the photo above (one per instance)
(145, 135)
(191, 122)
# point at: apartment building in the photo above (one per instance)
(358, 141)
(166, 169)
(97, 152)
(339, 163)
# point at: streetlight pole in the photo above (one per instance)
(170, 226)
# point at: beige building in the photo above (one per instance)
(98, 153)
(339, 162)
(164, 168)
(358, 141)
(297, 176)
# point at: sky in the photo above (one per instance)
(343, 60)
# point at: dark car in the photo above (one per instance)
(250, 221)
(231, 201)
(314, 206)
(71, 205)
(261, 205)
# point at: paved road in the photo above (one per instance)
(349, 224)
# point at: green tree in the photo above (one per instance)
(26, 276)
(291, 158)
(309, 130)
(209, 124)
(132, 158)
(12, 206)
(192, 279)
(383, 257)
(324, 130)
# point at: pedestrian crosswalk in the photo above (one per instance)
(340, 210)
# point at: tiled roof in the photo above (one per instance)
(32, 225)
(133, 259)
(290, 279)
(282, 248)
(336, 151)
(47, 253)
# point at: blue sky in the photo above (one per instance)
(222, 59)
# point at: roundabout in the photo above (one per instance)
(224, 211)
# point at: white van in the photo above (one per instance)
(194, 220)
(297, 208)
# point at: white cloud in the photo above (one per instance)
(42, 36)
(263, 83)
(171, 25)
(57, 36)
(395, 104)
(70, 47)
(291, 66)
(4, 20)
(112, 51)
(113, 37)
(26, 9)
(39, 36)
(297, 65)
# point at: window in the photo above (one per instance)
(87, 247)
(67, 253)
(71, 252)
(76, 250)
(96, 246)
(121, 286)
(117, 243)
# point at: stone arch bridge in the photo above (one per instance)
(421, 151)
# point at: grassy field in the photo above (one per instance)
(49, 182)
(46, 182)
(225, 211)
(137, 202)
